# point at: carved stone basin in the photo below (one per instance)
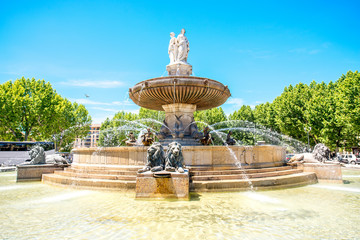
(156, 92)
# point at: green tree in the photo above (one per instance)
(290, 109)
(74, 122)
(245, 113)
(265, 114)
(332, 129)
(113, 132)
(210, 116)
(347, 96)
(33, 109)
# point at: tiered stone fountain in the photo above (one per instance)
(212, 168)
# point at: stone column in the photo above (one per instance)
(178, 117)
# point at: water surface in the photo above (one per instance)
(322, 211)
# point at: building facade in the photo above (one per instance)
(91, 139)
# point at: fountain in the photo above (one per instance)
(211, 168)
(293, 213)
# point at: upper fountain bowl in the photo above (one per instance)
(205, 93)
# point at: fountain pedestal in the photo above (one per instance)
(162, 185)
(179, 68)
(178, 118)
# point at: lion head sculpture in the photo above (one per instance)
(174, 158)
(37, 155)
(321, 152)
(155, 158)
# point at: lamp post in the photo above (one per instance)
(54, 138)
(308, 131)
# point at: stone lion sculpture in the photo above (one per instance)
(321, 152)
(319, 155)
(155, 159)
(37, 155)
(174, 158)
(56, 159)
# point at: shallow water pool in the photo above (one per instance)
(322, 211)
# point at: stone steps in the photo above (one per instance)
(88, 183)
(292, 180)
(96, 171)
(202, 178)
(85, 167)
(244, 176)
(198, 171)
(212, 168)
(96, 176)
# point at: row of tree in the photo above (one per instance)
(32, 110)
(329, 113)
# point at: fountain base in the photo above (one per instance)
(35, 172)
(162, 185)
(211, 168)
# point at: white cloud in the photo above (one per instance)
(237, 102)
(95, 84)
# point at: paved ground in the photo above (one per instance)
(357, 166)
(7, 169)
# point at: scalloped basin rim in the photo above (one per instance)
(205, 93)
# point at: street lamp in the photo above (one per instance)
(308, 131)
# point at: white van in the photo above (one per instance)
(349, 158)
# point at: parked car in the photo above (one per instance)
(349, 159)
(288, 157)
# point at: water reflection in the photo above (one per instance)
(39, 211)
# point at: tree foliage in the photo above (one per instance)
(331, 110)
(114, 132)
(31, 109)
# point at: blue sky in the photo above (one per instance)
(101, 48)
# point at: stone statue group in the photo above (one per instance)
(178, 47)
(205, 138)
(157, 160)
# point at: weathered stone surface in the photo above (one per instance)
(178, 119)
(35, 172)
(321, 152)
(205, 93)
(178, 69)
(174, 158)
(155, 158)
(303, 158)
(324, 172)
(37, 155)
(175, 186)
(254, 156)
(55, 159)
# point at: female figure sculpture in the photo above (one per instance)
(173, 48)
(183, 48)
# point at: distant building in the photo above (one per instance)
(91, 139)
